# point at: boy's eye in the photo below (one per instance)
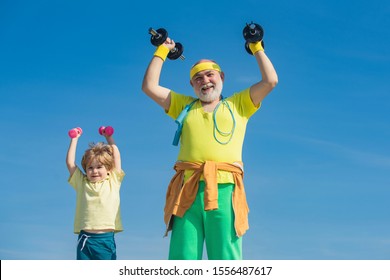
(93, 167)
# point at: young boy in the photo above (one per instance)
(97, 216)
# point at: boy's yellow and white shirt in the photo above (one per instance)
(97, 204)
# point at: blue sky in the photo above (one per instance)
(317, 154)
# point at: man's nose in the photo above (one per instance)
(205, 79)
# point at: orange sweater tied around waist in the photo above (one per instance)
(180, 197)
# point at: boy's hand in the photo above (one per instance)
(75, 132)
(106, 131)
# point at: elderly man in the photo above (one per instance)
(206, 199)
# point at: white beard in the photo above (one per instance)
(212, 95)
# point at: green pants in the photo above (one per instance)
(215, 228)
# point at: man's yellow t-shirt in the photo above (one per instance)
(200, 139)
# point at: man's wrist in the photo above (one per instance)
(256, 47)
(162, 52)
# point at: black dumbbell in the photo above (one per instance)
(252, 33)
(159, 36)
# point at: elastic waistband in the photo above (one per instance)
(96, 235)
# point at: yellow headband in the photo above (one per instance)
(204, 66)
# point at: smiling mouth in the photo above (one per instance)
(206, 87)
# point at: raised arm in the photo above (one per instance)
(151, 82)
(269, 79)
(116, 154)
(71, 155)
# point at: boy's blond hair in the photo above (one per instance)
(101, 152)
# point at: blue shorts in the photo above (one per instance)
(96, 246)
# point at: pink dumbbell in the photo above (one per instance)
(74, 132)
(109, 130)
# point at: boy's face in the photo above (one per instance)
(96, 171)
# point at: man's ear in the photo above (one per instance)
(222, 74)
(191, 83)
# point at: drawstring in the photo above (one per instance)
(85, 240)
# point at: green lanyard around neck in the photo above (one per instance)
(180, 120)
(217, 130)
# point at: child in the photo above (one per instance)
(97, 216)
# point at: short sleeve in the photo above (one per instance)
(178, 102)
(76, 178)
(244, 103)
(117, 176)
